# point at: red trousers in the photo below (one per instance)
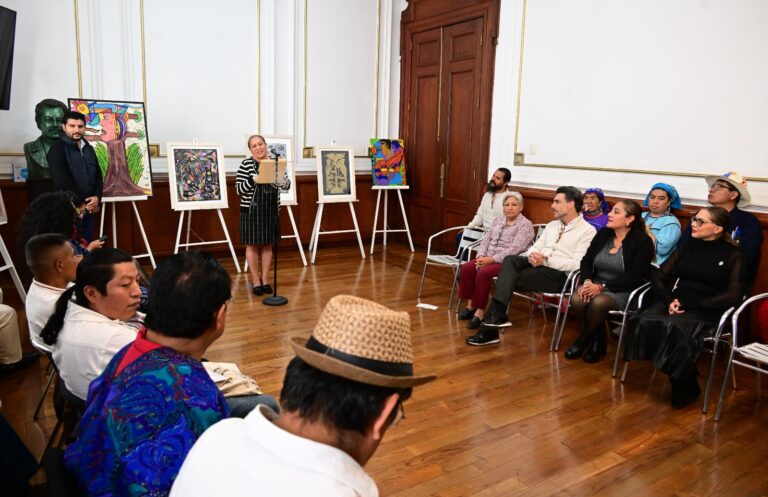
(476, 285)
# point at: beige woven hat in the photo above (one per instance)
(362, 341)
(737, 181)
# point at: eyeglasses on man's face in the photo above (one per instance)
(719, 186)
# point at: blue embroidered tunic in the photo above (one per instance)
(141, 423)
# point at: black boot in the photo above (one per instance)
(597, 349)
(579, 346)
(685, 391)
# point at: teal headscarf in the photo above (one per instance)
(674, 197)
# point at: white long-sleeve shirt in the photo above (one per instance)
(564, 245)
(491, 207)
(86, 344)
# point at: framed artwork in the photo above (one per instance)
(196, 176)
(387, 162)
(336, 174)
(117, 131)
(283, 145)
(3, 213)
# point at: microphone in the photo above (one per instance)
(276, 154)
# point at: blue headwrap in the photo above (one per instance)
(604, 207)
(674, 197)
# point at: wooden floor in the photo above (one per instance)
(512, 419)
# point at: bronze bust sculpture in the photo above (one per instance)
(49, 115)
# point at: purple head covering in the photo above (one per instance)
(604, 207)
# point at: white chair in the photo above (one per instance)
(470, 239)
(543, 300)
(620, 317)
(756, 353)
(51, 373)
(719, 338)
(561, 301)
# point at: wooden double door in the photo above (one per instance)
(445, 115)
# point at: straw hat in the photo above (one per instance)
(362, 341)
(735, 180)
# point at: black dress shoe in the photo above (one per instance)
(466, 314)
(685, 392)
(258, 290)
(27, 359)
(486, 336)
(474, 323)
(594, 352)
(575, 351)
(496, 319)
(266, 289)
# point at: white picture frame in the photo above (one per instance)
(196, 176)
(284, 145)
(336, 174)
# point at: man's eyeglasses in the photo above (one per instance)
(720, 186)
(697, 221)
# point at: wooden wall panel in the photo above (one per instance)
(161, 223)
(537, 209)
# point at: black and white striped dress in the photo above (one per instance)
(258, 205)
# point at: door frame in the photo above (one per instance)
(424, 15)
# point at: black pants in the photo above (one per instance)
(518, 275)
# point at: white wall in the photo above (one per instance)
(653, 86)
(44, 66)
(213, 72)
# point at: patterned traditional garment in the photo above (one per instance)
(140, 425)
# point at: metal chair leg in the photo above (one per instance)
(53, 434)
(453, 287)
(624, 373)
(51, 376)
(421, 283)
(728, 369)
(563, 316)
(710, 376)
(618, 347)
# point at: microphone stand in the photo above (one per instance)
(276, 299)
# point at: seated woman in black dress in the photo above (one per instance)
(692, 289)
(617, 261)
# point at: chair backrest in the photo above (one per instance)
(469, 237)
(538, 229)
(737, 313)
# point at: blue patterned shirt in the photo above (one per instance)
(140, 424)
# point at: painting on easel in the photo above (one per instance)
(283, 145)
(387, 162)
(197, 176)
(336, 174)
(118, 132)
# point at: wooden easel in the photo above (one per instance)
(106, 202)
(187, 244)
(316, 230)
(385, 228)
(8, 265)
